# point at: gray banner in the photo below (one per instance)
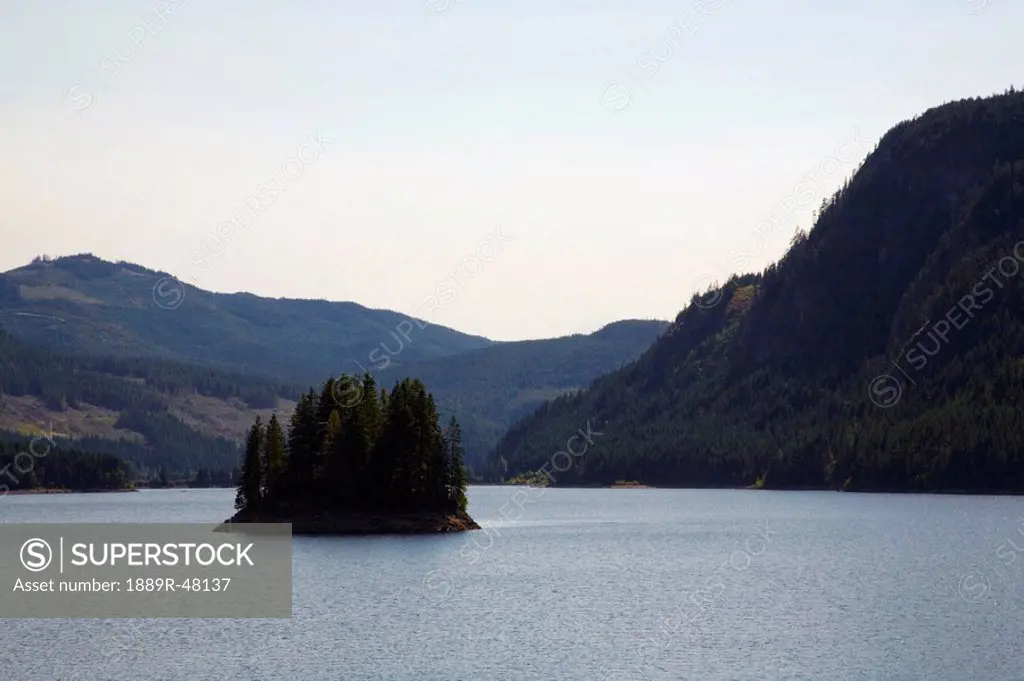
(145, 570)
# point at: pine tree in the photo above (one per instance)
(275, 462)
(333, 456)
(325, 404)
(371, 407)
(395, 458)
(455, 466)
(302, 433)
(421, 454)
(249, 495)
(363, 436)
(350, 453)
(433, 446)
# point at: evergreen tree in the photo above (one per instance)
(432, 440)
(324, 404)
(349, 451)
(365, 432)
(250, 490)
(331, 485)
(60, 468)
(398, 451)
(455, 471)
(201, 479)
(302, 446)
(275, 462)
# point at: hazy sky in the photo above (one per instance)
(628, 152)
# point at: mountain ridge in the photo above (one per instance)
(128, 309)
(787, 379)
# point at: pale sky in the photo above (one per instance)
(621, 169)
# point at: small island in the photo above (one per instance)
(356, 461)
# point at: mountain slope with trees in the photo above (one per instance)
(884, 351)
(490, 388)
(152, 413)
(208, 362)
(41, 463)
(183, 416)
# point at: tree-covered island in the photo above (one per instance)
(356, 460)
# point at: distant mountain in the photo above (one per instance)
(84, 304)
(882, 352)
(489, 388)
(184, 371)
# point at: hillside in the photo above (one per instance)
(490, 388)
(205, 367)
(884, 351)
(31, 463)
(151, 413)
(184, 416)
(87, 305)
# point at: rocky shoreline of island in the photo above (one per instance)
(357, 523)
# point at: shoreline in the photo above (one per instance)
(58, 490)
(754, 488)
(360, 523)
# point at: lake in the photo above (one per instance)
(574, 585)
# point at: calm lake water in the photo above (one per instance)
(589, 584)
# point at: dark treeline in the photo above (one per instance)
(175, 445)
(178, 449)
(64, 380)
(352, 447)
(203, 477)
(882, 352)
(139, 389)
(214, 477)
(37, 463)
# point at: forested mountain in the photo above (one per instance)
(884, 351)
(489, 389)
(115, 322)
(152, 413)
(87, 305)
